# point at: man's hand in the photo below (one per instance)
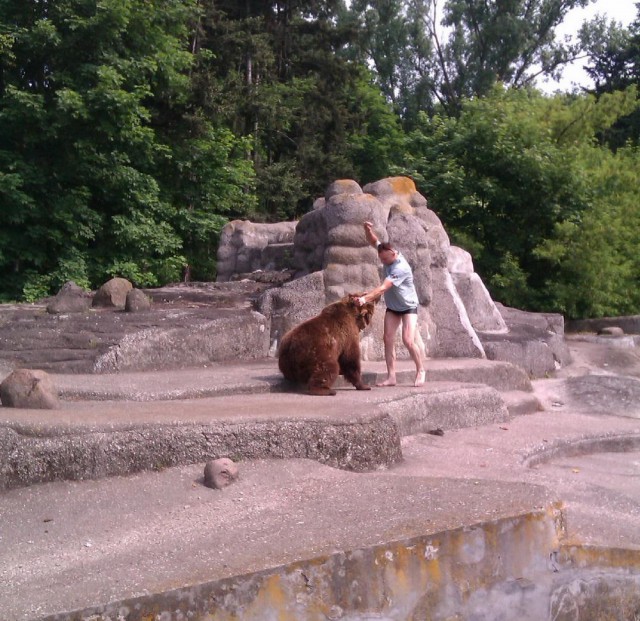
(372, 238)
(361, 301)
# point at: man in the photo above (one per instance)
(401, 299)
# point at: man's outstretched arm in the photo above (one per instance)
(372, 238)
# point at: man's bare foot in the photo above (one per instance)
(421, 376)
(388, 382)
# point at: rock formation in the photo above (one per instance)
(137, 301)
(70, 299)
(220, 473)
(319, 259)
(330, 258)
(113, 294)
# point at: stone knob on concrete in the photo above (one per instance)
(30, 389)
(219, 473)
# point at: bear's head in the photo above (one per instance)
(363, 314)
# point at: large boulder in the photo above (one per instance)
(533, 341)
(112, 294)
(331, 239)
(455, 335)
(291, 304)
(396, 194)
(409, 233)
(137, 301)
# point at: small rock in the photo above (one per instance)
(219, 473)
(29, 389)
(335, 613)
(137, 301)
(611, 331)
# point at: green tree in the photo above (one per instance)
(510, 42)
(280, 73)
(95, 168)
(375, 141)
(596, 261)
(429, 54)
(614, 64)
(508, 174)
(394, 41)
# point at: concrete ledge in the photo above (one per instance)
(498, 374)
(627, 341)
(447, 407)
(488, 570)
(595, 581)
(128, 541)
(586, 557)
(629, 323)
(244, 335)
(213, 380)
(355, 430)
(110, 340)
(29, 456)
(611, 443)
(242, 411)
(262, 376)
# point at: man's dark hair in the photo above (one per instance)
(385, 246)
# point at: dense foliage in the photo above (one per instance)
(107, 166)
(132, 130)
(521, 184)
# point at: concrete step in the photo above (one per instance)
(118, 424)
(289, 540)
(297, 540)
(262, 375)
(355, 430)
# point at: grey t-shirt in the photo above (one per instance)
(402, 296)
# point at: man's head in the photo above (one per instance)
(387, 253)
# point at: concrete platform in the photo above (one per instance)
(123, 423)
(511, 513)
(68, 546)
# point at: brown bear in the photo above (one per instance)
(323, 347)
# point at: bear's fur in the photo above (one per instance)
(323, 347)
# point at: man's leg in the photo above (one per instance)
(409, 327)
(391, 325)
(420, 343)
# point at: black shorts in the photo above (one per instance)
(409, 311)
